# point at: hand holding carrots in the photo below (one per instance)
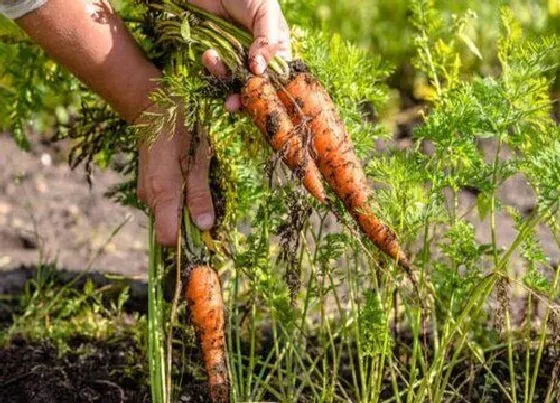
(163, 169)
(263, 19)
(292, 112)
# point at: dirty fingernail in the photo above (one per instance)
(204, 221)
(233, 103)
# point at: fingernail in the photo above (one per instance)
(214, 57)
(230, 106)
(204, 221)
(260, 64)
(233, 103)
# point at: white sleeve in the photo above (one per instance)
(17, 8)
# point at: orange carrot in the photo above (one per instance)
(207, 314)
(259, 98)
(308, 103)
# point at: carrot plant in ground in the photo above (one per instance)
(315, 313)
(352, 354)
(513, 112)
(49, 309)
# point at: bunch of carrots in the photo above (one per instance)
(301, 108)
(288, 105)
(283, 115)
(300, 121)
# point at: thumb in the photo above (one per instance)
(272, 36)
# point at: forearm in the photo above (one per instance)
(89, 39)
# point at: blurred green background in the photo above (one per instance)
(382, 27)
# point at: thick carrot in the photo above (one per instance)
(308, 103)
(207, 314)
(259, 98)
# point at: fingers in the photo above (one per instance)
(161, 174)
(213, 7)
(214, 64)
(271, 37)
(165, 207)
(163, 186)
(199, 197)
(160, 181)
(212, 61)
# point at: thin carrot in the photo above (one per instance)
(259, 98)
(308, 103)
(207, 314)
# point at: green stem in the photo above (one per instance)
(494, 234)
(174, 306)
(156, 351)
(528, 346)
(495, 168)
(252, 351)
(542, 339)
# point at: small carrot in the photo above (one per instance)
(207, 314)
(308, 103)
(259, 98)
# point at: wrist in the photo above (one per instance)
(133, 98)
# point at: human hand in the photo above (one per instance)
(264, 19)
(88, 38)
(164, 168)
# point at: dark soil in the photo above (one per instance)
(92, 372)
(110, 370)
(96, 372)
(477, 385)
(116, 371)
